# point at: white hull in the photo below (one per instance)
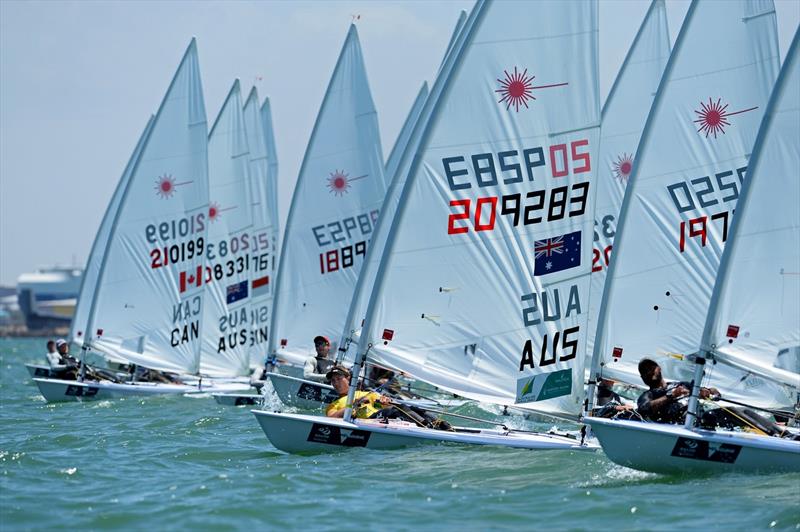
(56, 390)
(298, 433)
(673, 449)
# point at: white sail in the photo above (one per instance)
(366, 279)
(263, 252)
(149, 296)
(754, 321)
(623, 117)
(502, 173)
(335, 205)
(91, 273)
(272, 181)
(232, 246)
(690, 165)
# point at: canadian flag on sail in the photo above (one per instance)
(187, 279)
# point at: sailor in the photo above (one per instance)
(53, 358)
(376, 406)
(365, 404)
(660, 403)
(609, 403)
(317, 366)
(65, 359)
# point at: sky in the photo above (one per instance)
(78, 81)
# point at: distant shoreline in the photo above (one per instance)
(20, 331)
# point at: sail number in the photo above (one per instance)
(536, 207)
(562, 158)
(176, 253)
(564, 348)
(703, 189)
(341, 258)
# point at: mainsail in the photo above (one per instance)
(91, 273)
(149, 292)
(680, 200)
(754, 319)
(334, 209)
(263, 253)
(623, 117)
(483, 285)
(232, 247)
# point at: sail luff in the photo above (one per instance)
(655, 21)
(97, 252)
(226, 306)
(347, 180)
(597, 354)
(118, 340)
(759, 172)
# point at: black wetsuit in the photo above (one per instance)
(672, 412)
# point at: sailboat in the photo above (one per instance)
(145, 305)
(483, 284)
(335, 206)
(674, 271)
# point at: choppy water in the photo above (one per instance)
(181, 463)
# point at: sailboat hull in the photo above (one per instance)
(301, 393)
(298, 433)
(660, 448)
(39, 370)
(57, 390)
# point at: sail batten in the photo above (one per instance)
(754, 319)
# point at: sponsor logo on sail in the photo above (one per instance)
(165, 186)
(712, 117)
(339, 182)
(544, 386)
(623, 167)
(517, 89)
(557, 254)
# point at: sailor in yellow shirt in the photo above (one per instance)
(365, 404)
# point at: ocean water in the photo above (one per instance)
(187, 463)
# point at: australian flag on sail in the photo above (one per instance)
(557, 254)
(236, 292)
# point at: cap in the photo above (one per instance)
(338, 370)
(321, 340)
(60, 342)
(645, 364)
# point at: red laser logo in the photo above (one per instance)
(517, 88)
(713, 117)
